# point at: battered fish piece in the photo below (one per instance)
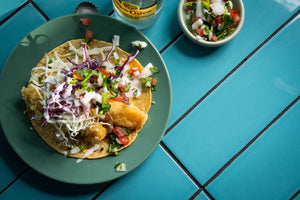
(96, 130)
(125, 115)
(32, 98)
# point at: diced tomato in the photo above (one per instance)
(200, 31)
(93, 111)
(237, 18)
(77, 76)
(123, 140)
(109, 128)
(85, 21)
(235, 13)
(105, 73)
(119, 98)
(112, 60)
(120, 132)
(190, 7)
(195, 18)
(134, 70)
(89, 34)
(94, 78)
(154, 82)
(122, 87)
(214, 38)
(218, 20)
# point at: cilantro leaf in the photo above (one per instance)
(154, 70)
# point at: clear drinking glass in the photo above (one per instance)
(138, 13)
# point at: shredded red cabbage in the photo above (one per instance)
(129, 59)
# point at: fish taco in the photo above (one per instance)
(89, 100)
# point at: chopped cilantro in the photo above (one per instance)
(191, 4)
(120, 167)
(72, 81)
(116, 61)
(205, 4)
(139, 46)
(227, 21)
(50, 60)
(154, 70)
(127, 88)
(88, 40)
(114, 148)
(146, 82)
(82, 147)
(126, 129)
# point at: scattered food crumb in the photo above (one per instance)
(120, 167)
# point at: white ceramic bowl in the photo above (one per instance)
(181, 13)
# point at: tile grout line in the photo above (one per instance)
(251, 142)
(11, 183)
(101, 191)
(230, 73)
(14, 12)
(183, 168)
(175, 159)
(195, 194)
(295, 195)
(111, 12)
(39, 10)
(171, 42)
(208, 195)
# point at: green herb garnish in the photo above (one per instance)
(127, 88)
(50, 60)
(114, 147)
(82, 147)
(146, 82)
(205, 4)
(154, 70)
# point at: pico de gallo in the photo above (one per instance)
(211, 20)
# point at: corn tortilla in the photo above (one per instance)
(132, 116)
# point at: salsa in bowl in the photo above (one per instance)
(211, 22)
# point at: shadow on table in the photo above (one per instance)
(12, 163)
(191, 49)
(50, 187)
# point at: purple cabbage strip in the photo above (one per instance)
(44, 87)
(99, 64)
(76, 66)
(129, 59)
(126, 98)
(87, 55)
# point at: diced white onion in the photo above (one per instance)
(146, 71)
(121, 167)
(197, 23)
(75, 150)
(116, 40)
(138, 43)
(218, 8)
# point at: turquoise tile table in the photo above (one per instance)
(234, 131)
